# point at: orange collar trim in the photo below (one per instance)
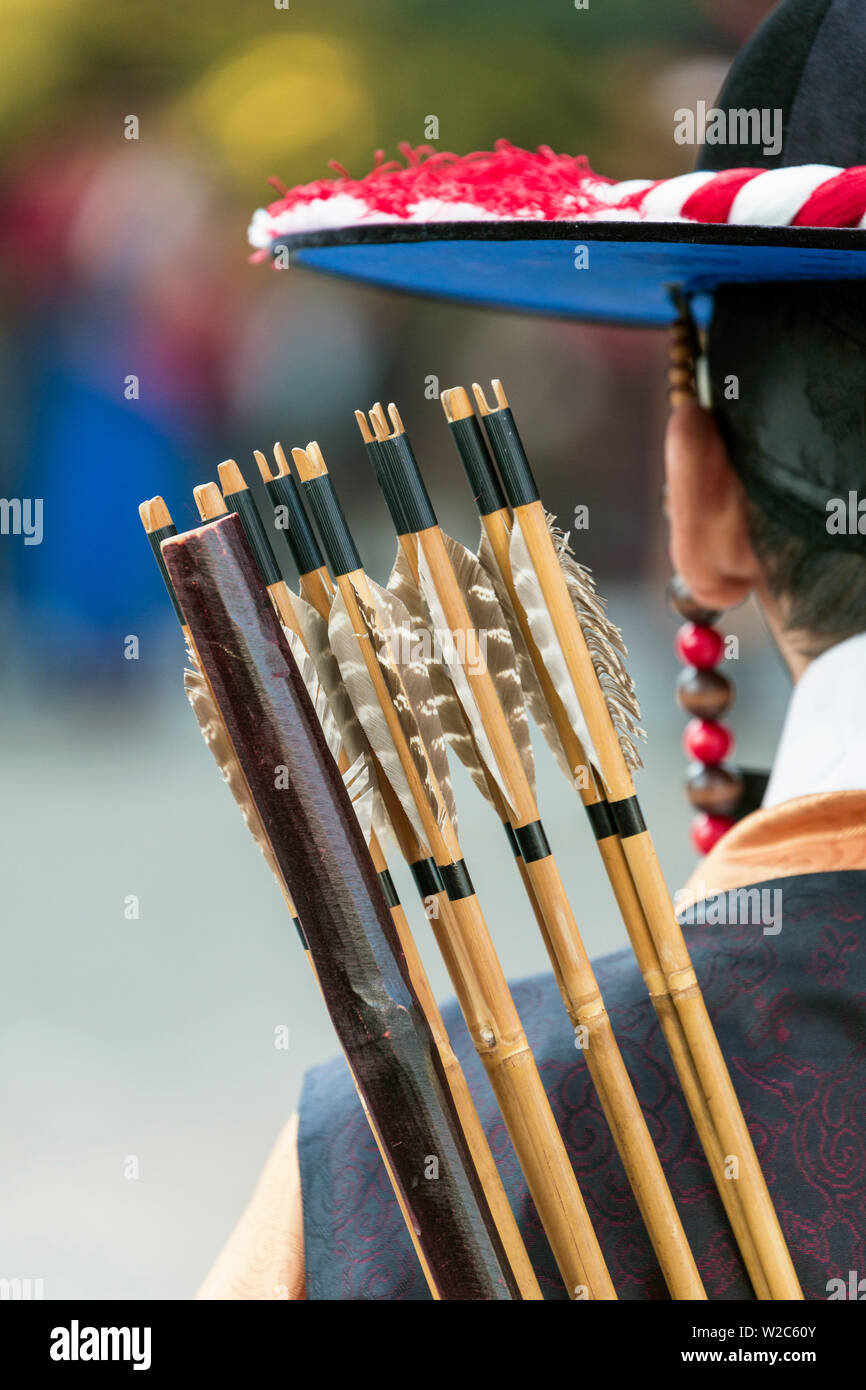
(818, 834)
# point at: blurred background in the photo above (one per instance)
(140, 1085)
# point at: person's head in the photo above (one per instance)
(759, 489)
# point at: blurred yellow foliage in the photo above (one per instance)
(282, 96)
(33, 54)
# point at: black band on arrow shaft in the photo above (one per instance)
(411, 499)
(243, 503)
(627, 816)
(532, 842)
(477, 465)
(283, 492)
(340, 549)
(457, 882)
(512, 839)
(601, 820)
(299, 929)
(156, 539)
(427, 878)
(392, 897)
(509, 454)
(388, 486)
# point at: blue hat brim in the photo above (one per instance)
(631, 267)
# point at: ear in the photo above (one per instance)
(709, 535)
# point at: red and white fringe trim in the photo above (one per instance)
(512, 184)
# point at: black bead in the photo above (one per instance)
(716, 790)
(704, 694)
(681, 601)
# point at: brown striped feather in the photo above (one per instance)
(540, 624)
(606, 647)
(455, 726)
(409, 650)
(489, 622)
(216, 736)
(362, 693)
(533, 694)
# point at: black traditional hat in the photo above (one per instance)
(796, 430)
(784, 199)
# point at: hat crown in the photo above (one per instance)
(806, 60)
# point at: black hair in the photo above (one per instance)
(788, 373)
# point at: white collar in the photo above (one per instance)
(823, 743)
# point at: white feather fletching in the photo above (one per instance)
(316, 692)
(362, 693)
(365, 795)
(606, 648)
(315, 630)
(450, 644)
(360, 783)
(540, 624)
(535, 700)
(455, 726)
(408, 649)
(488, 619)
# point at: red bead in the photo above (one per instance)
(707, 741)
(699, 646)
(708, 830)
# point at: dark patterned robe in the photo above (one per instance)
(789, 1008)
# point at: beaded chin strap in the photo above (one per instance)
(720, 792)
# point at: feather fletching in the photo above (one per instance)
(408, 649)
(355, 746)
(540, 624)
(455, 727)
(315, 631)
(458, 651)
(359, 779)
(606, 647)
(316, 692)
(362, 693)
(533, 693)
(491, 626)
(216, 736)
(360, 782)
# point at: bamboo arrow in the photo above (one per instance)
(270, 722)
(158, 526)
(432, 558)
(211, 505)
(489, 1010)
(552, 717)
(606, 753)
